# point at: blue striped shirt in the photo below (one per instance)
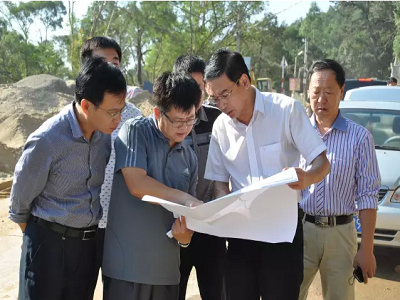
(59, 175)
(354, 177)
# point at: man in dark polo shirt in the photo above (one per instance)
(206, 253)
(140, 261)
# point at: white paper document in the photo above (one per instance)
(265, 211)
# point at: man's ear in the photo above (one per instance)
(245, 81)
(157, 112)
(342, 92)
(85, 104)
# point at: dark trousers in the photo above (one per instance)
(99, 248)
(272, 271)
(115, 289)
(56, 268)
(207, 254)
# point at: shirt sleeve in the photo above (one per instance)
(215, 167)
(30, 177)
(368, 177)
(131, 146)
(303, 134)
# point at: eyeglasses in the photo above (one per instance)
(115, 113)
(179, 124)
(223, 98)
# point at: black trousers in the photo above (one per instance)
(207, 254)
(56, 268)
(115, 289)
(272, 271)
(101, 232)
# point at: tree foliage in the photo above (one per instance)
(363, 36)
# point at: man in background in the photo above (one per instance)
(206, 253)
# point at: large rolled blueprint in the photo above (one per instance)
(265, 211)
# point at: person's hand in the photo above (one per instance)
(180, 232)
(366, 261)
(303, 180)
(192, 201)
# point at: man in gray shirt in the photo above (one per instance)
(55, 193)
(140, 261)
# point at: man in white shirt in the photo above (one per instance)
(256, 137)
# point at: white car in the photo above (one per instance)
(382, 119)
(374, 93)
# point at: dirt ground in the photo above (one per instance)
(385, 286)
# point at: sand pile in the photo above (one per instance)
(48, 83)
(23, 108)
(25, 105)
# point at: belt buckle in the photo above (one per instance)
(321, 221)
(88, 238)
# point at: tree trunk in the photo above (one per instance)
(95, 19)
(139, 55)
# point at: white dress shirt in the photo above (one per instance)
(131, 112)
(277, 134)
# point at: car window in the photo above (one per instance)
(384, 125)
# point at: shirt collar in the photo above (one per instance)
(339, 123)
(202, 114)
(73, 121)
(259, 106)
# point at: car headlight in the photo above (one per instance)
(396, 196)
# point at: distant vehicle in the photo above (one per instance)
(382, 119)
(264, 84)
(374, 93)
(357, 83)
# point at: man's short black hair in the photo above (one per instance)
(329, 64)
(178, 90)
(393, 79)
(99, 42)
(96, 78)
(224, 61)
(190, 64)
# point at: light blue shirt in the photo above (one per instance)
(60, 173)
(354, 176)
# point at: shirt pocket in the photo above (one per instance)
(270, 159)
(340, 171)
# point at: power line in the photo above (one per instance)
(287, 8)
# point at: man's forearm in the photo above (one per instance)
(143, 184)
(368, 221)
(320, 167)
(221, 189)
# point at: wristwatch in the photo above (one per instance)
(183, 245)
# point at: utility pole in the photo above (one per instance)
(305, 88)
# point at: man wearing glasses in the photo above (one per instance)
(140, 261)
(109, 49)
(56, 187)
(256, 137)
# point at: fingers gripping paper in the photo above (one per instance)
(265, 211)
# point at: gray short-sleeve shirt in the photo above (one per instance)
(136, 247)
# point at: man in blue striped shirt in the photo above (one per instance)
(55, 193)
(330, 238)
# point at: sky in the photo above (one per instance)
(287, 11)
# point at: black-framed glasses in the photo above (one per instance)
(224, 97)
(114, 113)
(179, 124)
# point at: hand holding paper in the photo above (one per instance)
(265, 211)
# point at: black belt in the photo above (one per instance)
(80, 233)
(329, 221)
